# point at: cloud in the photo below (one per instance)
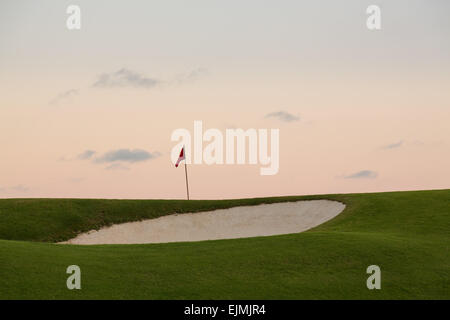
(15, 189)
(64, 95)
(283, 116)
(86, 155)
(197, 73)
(127, 155)
(393, 145)
(20, 188)
(125, 78)
(117, 166)
(363, 174)
(128, 78)
(191, 76)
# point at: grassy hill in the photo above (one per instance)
(405, 233)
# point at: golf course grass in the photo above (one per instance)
(407, 234)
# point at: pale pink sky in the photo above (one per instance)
(366, 101)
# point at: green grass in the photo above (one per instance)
(406, 233)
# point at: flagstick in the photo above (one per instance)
(187, 185)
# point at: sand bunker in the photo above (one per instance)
(237, 222)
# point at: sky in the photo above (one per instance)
(89, 113)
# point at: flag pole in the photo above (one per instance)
(187, 185)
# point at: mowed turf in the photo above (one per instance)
(405, 233)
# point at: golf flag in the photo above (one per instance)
(181, 157)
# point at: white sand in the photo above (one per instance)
(237, 222)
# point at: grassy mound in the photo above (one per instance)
(405, 233)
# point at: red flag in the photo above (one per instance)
(181, 157)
